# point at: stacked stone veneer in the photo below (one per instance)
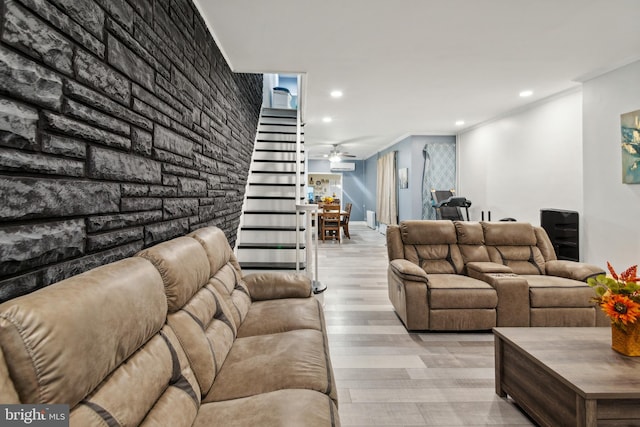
(121, 125)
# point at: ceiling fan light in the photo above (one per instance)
(335, 158)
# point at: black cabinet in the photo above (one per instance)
(562, 228)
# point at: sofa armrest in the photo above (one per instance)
(406, 270)
(513, 294)
(408, 293)
(488, 267)
(572, 270)
(266, 286)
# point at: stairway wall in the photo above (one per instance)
(121, 126)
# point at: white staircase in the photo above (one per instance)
(267, 235)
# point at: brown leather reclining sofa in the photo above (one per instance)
(174, 336)
(446, 275)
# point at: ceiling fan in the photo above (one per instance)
(336, 155)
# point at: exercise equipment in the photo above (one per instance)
(449, 206)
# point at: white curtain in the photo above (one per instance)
(387, 200)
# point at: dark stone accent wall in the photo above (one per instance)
(121, 126)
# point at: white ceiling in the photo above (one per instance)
(416, 66)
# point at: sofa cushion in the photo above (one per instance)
(416, 232)
(544, 244)
(226, 275)
(551, 291)
(62, 341)
(282, 315)
(469, 233)
(435, 258)
(155, 386)
(520, 259)
(8, 392)
(206, 330)
(508, 234)
(216, 246)
(274, 409)
(471, 242)
(448, 291)
(233, 291)
(107, 353)
(184, 268)
(264, 363)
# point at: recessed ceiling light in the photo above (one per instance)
(459, 122)
(327, 119)
(336, 93)
(526, 93)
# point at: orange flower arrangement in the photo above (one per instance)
(619, 295)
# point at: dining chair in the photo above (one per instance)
(330, 222)
(344, 221)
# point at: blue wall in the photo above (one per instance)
(409, 156)
(354, 188)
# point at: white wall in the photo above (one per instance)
(611, 208)
(526, 161)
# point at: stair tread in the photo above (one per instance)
(270, 228)
(271, 265)
(276, 184)
(270, 212)
(275, 197)
(273, 132)
(275, 161)
(247, 245)
(273, 150)
(276, 172)
(274, 142)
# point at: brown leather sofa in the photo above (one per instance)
(459, 275)
(173, 336)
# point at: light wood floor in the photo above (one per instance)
(387, 376)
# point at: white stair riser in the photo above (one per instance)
(278, 137)
(278, 220)
(275, 155)
(269, 255)
(271, 191)
(272, 179)
(275, 167)
(279, 146)
(277, 120)
(278, 128)
(270, 205)
(280, 112)
(270, 236)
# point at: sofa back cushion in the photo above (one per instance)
(514, 244)
(471, 242)
(184, 268)
(98, 342)
(200, 316)
(226, 276)
(544, 244)
(432, 246)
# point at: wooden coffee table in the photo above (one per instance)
(568, 376)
